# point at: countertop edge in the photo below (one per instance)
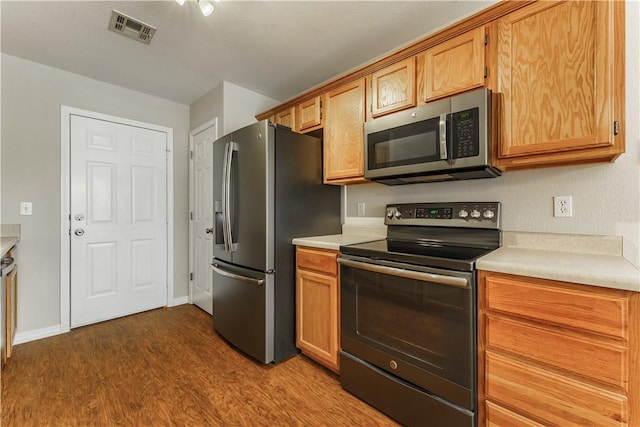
(606, 271)
(333, 241)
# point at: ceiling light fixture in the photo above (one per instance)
(205, 6)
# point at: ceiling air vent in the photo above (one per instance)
(130, 27)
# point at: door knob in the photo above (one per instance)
(208, 230)
(79, 232)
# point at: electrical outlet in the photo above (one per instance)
(562, 206)
(361, 206)
(26, 208)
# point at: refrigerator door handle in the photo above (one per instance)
(217, 269)
(226, 197)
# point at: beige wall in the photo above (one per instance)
(606, 197)
(31, 98)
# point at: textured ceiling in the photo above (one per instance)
(276, 48)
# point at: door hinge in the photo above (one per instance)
(616, 127)
(486, 72)
(191, 276)
(486, 39)
(191, 154)
(191, 216)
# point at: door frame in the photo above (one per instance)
(65, 200)
(192, 134)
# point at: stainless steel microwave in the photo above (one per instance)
(444, 140)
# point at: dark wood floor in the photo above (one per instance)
(167, 367)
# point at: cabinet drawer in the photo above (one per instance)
(497, 416)
(318, 260)
(582, 356)
(598, 311)
(551, 397)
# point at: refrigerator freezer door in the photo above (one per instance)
(243, 304)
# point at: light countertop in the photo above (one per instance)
(351, 234)
(7, 243)
(593, 260)
(333, 241)
(603, 270)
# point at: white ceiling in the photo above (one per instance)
(276, 48)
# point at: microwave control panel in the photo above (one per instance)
(454, 214)
(465, 133)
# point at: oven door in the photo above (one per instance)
(414, 323)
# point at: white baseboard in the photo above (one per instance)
(179, 301)
(23, 337)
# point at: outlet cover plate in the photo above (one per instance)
(562, 207)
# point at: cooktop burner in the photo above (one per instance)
(443, 235)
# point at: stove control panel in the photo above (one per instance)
(453, 214)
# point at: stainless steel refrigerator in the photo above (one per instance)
(267, 189)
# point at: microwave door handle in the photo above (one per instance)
(443, 137)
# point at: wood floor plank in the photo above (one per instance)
(167, 367)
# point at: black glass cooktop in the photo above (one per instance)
(421, 253)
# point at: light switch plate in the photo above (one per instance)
(26, 208)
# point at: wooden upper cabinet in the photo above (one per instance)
(309, 115)
(393, 88)
(560, 76)
(453, 66)
(287, 118)
(343, 134)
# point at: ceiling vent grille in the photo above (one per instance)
(130, 27)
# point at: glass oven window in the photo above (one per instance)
(410, 144)
(426, 324)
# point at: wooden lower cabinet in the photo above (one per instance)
(317, 305)
(556, 353)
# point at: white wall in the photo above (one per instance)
(241, 106)
(234, 106)
(31, 98)
(210, 105)
(606, 197)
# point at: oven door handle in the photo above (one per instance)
(440, 279)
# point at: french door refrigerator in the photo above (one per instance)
(267, 189)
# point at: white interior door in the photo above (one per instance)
(118, 220)
(202, 217)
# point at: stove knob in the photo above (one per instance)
(475, 213)
(398, 214)
(488, 214)
(390, 213)
(463, 213)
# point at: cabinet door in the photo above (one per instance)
(317, 317)
(453, 66)
(286, 118)
(393, 88)
(343, 134)
(309, 115)
(556, 74)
